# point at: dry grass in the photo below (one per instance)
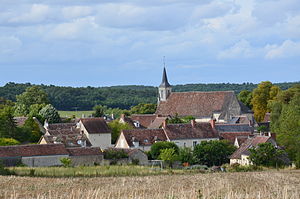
(253, 185)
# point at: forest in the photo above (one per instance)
(123, 97)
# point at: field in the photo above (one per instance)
(78, 114)
(272, 184)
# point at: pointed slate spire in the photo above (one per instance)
(164, 82)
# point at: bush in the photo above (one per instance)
(8, 142)
(4, 171)
(115, 154)
(158, 146)
(239, 168)
(66, 162)
(186, 156)
(168, 155)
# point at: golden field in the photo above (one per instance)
(283, 184)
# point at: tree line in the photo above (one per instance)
(122, 97)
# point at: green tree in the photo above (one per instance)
(99, 110)
(33, 130)
(245, 97)
(50, 114)
(32, 95)
(143, 109)
(116, 128)
(158, 146)
(213, 153)
(262, 95)
(8, 127)
(168, 155)
(266, 155)
(186, 155)
(8, 142)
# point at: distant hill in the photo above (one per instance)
(84, 98)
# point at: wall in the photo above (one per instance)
(139, 155)
(86, 160)
(189, 142)
(43, 161)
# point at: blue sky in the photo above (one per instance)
(103, 43)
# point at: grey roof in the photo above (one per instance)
(164, 82)
(234, 128)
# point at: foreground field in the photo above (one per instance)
(252, 185)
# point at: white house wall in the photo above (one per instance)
(190, 142)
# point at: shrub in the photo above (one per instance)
(4, 171)
(158, 146)
(8, 141)
(186, 156)
(115, 154)
(168, 155)
(239, 168)
(66, 162)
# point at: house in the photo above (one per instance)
(140, 138)
(150, 121)
(86, 132)
(96, 131)
(184, 135)
(241, 155)
(37, 155)
(219, 105)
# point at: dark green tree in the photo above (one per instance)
(266, 154)
(158, 146)
(186, 155)
(8, 127)
(116, 128)
(99, 110)
(245, 96)
(213, 153)
(143, 109)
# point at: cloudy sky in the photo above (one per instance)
(119, 42)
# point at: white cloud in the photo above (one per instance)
(242, 49)
(76, 11)
(36, 14)
(287, 49)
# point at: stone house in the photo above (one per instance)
(241, 155)
(183, 135)
(204, 106)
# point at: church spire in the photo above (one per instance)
(164, 82)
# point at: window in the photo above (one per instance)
(194, 143)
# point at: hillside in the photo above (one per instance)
(84, 98)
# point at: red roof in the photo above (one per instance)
(250, 142)
(95, 125)
(33, 150)
(230, 136)
(80, 151)
(144, 119)
(198, 104)
(188, 131)
(145, 137)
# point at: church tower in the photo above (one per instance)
(164, 89)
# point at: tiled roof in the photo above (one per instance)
(70, 131)
(145, 137)
(60, 126)
(80, 151)
(33, 150)
(197, 104)
(70, 140)
(158, 121)
(253, 141)
(20, 121)
(128, 151)
(188, 131)
(230, 136)
(234, 128)
(95, 125)
(144, 119)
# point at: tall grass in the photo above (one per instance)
(246, 185)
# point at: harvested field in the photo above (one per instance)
(251, 185)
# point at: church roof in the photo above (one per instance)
(197, 104)
(164, 82)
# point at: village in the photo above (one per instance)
(213, 116)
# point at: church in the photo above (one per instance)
(221, 106)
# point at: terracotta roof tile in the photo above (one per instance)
(60, 126)
(81, 151)
(157, 123)
(33, 150)
(230, 136)
(187, 131)
(144, 119)
(145, 137)
(95, 125)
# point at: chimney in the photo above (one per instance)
(213, 123)
(193, 122)
(164, 124)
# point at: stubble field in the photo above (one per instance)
(251, 185)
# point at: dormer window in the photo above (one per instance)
(146, 141)
(136, 124)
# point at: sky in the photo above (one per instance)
(121, 42)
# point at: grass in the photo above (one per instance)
(96, 171)
(78, 114)
(271, 184)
